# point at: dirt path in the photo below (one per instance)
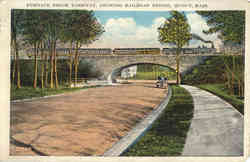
(82, 123)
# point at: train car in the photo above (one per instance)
(95, 51)
(148, 51)
(196, 50)
(204, 50)
(191, 50)
(169, 51)
(136, 51)
(124, 51)
(83, 51)
(119, 51)
(213, 51)
(188, 51)
(156, 51)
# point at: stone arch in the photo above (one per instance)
(113, 74)
(108, 64)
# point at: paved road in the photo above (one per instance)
(82, 123)
(216, 128)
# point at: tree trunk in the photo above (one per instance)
(70, 65)
(242, 89)
(239, 88)
(233, 73)
(51, 67)
(42, 68)
(75, 81)
(18, 70)
(55, 68)
(42, 73)
(228, 81)
(35, 67)
(178, 66)
(46, 69)
(17, 65)
(70, 74)
(14, 66)
(76, 63)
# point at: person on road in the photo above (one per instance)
(162, 82)
(158, 82)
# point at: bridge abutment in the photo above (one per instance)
(110, 66)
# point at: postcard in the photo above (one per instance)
(126, 80)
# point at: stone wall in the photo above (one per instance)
(111, 66)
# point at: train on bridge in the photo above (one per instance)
(129, 51)
(144, 51)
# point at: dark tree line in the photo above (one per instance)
(46, 29)
(230, 25)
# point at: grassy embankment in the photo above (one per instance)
(85, 70)
(30, 92)
(150, 76)
(168, 133)
(221, 91)
(210, 76)
(151, 72)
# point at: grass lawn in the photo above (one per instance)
(221, 91)
(150, 76)
(30, 92)
(168, 133)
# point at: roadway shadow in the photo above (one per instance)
(21, 144)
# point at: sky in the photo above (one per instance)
(138, 29)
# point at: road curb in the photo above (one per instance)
(139, 130)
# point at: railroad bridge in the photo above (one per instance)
(110, 62)
(110, 66)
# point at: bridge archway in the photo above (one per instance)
(115, 72)
(109, 65)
